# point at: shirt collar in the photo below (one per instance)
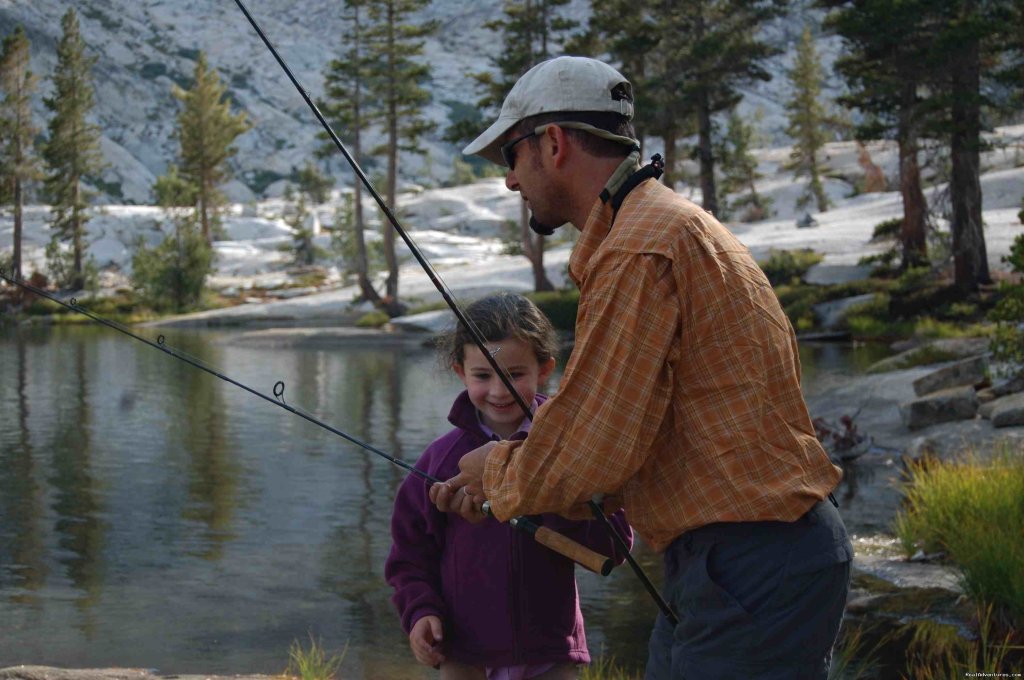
(524, 429)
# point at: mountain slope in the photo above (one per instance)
(146, 46)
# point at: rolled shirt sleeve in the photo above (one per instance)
(597, 431)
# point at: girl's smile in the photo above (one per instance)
(498, 409)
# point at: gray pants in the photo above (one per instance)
(755, 600)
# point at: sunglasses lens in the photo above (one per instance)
(508, 149)
(508, 154)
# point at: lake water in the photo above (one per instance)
(154, 516)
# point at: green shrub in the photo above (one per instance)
(1008, 340)
(877, 307)
(172, 275)
(972, 511)
(798, 302)
(787, 266)
(44, 307)
(374, 319)
(869, 327)
(560, 306)
(887, 230)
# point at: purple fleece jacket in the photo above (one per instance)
(504, 599)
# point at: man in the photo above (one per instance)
(681, 398)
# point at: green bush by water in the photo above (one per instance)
(974, 512)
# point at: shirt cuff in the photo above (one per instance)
(497, 461)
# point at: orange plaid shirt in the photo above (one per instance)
(682, 395)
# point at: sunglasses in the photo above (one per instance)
(508, 152)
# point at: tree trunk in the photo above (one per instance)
(204, 206)
(533, 249)
(366, 289)
(915, 209)
(78, 280)
(707, 157)
(362, 266)
(18, 222)
(391, 285)
(362, 263)
(970, 260)
(669, 177)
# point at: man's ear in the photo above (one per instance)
(558, 141)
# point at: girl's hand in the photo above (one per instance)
(463, 493)
(425, 640)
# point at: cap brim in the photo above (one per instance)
(488, 144)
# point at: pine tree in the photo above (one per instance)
(348, 93)
(712, 51)
(312, 188)
(630, 34)
(173, 274)
(531, 31)
(72, 151)
(206, 131)
(886, 68)
(394, 42)
(806, 121)
(974, 43)
(18, 163)
(739, 172)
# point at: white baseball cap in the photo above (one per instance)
(559, 84)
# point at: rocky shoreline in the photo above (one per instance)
(52, 673)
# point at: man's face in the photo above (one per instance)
(531, 178)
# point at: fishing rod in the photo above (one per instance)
(555, 541)
(449, 299)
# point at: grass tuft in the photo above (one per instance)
(974, 512)
(313, 663)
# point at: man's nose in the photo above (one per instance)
(511, 183)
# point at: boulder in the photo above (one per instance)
(437, 321)
(986, 395)
(1008, 410)
(965, 372)
(830, 314)
(1008, 386)
(957, 403)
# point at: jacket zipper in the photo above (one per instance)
(515, 568)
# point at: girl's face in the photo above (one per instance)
(498, 408)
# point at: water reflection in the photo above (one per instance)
(200, 429)
(22, 566)
(79, 528)
(154, 516)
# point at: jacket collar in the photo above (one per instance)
(463, 415)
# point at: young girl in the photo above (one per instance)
(485, 600)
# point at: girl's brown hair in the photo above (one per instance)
(500, 316)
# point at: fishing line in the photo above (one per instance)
(442, 288)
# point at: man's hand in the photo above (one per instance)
(464, 493)
(425, 641)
